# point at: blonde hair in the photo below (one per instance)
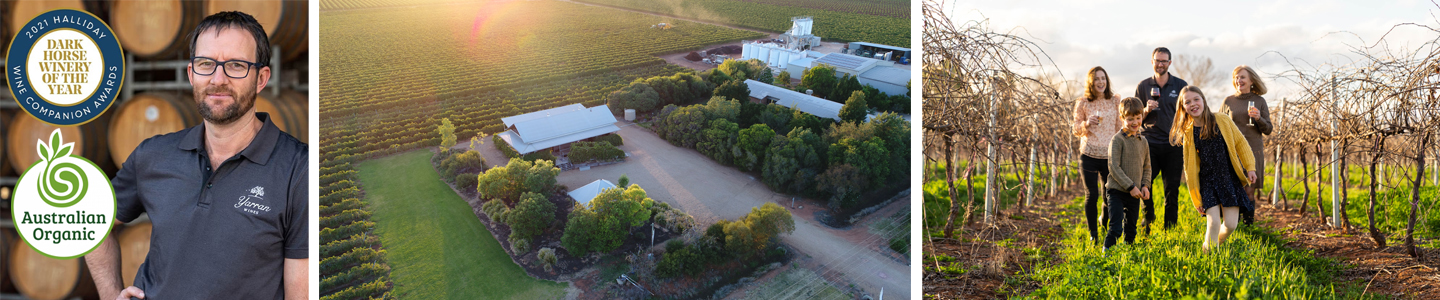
(1184, 121)
(1257, 86)
(1090, 84)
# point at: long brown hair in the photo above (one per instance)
(1257, 86)
(1090, 84)
(1183, 119)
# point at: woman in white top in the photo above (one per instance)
(1096, 121)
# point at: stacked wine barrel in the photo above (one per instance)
(149, 30)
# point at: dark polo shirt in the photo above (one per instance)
(1157, 123)
(221, 234)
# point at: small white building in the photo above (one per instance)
(558, 126)
(584, 194)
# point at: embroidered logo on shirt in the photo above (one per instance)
(248, 204)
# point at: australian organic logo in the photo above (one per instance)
(63, 203)
(65, 67)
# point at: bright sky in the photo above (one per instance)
(1119, 35)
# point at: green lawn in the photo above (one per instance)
(437, 248)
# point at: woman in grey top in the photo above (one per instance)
(1253, 123)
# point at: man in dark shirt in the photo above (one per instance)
(228, 198)
(1167, 161)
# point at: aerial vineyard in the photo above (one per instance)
(354, 4)
(352, 264)
(829, 25)
(884, 8)
(391, 75)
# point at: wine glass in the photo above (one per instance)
(1250, 107)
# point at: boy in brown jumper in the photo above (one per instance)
(1129, 167)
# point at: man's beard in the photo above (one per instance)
(229, 114)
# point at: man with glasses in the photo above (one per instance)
(227, 199)
(1161, 91)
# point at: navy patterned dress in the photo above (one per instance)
(1218, 183)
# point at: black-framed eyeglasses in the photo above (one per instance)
(235, 68)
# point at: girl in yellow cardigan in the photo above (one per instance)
(1218, 164)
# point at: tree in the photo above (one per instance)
(735, 89)
(780, 163)
(718, 139)
(800, 119)
(629, 205)
(718, 77)
(755, 231)
(766, 76)
(681, 126)
(854, 109)
(720, 108)
(777, 117)
(1200, 71)
(518, 176)
(603, 226)
(751, 146)
(530, 217)
(782, 79)
(637, 95)
(447, 133)
(751, 68)
(844, 87)
(877, 100)
(820, 78)
(843, 183)
(624, 180)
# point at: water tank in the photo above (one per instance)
(747, 51)
(762, 53)
(630, 114)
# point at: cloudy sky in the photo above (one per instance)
(1119, 35)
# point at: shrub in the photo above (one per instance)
(592, 151)
(539, 155)
(496, 209)
(614, 139)
(900, 244)
(504, 147)
(520, 246)
(530, 217)
(547, 257)
(518, 176)
(466, 181)
(682, 261)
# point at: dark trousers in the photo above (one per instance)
(1095, 171)
(1124, 211)
(1168, 162)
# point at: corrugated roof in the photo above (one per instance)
(553, 127)
(841, 60)
(797, 100)
(588, 192)
(891, 75)
(880, 46)
(511, 120)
